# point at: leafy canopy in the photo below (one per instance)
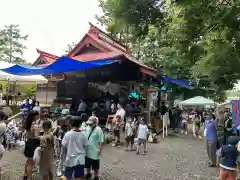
(191, 39)
(12, 44)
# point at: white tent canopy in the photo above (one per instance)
(198, 100)
(227, 104)
(20, 79)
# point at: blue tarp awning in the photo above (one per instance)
(66, 64)
(180, 82)
(63, 64)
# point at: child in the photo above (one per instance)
(58, 149)
(184, 122)
(129, 134)
(57, 142)
(47, 151)
(36, 157)
(116, 130)
(142, 136)
(228, 163)
(152, 135)
(11, 134)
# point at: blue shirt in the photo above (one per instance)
(26, 108)
(211, 130)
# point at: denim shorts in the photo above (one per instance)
(75, 171)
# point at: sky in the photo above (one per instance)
(50, 24)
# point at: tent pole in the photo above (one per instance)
(46, 93)
(8, 90)
(15, 84)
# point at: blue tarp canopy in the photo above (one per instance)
(180, 82)
(66, 64)
(63, 64)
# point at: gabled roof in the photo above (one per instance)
(100, 39)
(102, 47)
(46, 57)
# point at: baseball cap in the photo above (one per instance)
(92, 120)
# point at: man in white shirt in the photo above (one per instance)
(121, 112)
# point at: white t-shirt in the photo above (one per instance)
(121, 112)
(129, 128)
(75, 142)
(36, 108)
(142, 131)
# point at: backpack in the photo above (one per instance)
(197, 118)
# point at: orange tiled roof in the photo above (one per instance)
(111, 48)
(50, 58)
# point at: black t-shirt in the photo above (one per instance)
(227, 124)
(176, 112)
(163, 110)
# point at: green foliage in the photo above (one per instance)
(69, 47)
(11, 44)
(26, 90)
(29, 90)
(195, 40)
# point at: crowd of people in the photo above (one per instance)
(223, 144)
(73, 148)
(221, 135)
(222, 139)
(76, 145)
(179, 118)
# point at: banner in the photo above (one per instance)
(236, 112)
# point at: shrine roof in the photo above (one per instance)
(46, 57)
(105, 47)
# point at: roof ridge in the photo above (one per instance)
(93, 30)
(47, 54)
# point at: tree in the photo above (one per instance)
(194, 40)
(11, 44)
(69, 47)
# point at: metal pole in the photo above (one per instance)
(8, 90)
(15, 102)
(46, 93)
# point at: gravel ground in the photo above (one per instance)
(175, 157)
